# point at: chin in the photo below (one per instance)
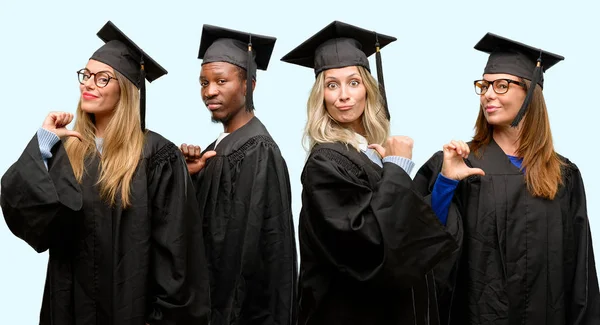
(219, 118)
(499, 121)
(346, 118)
(94, 109)
(88, 109)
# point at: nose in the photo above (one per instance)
(344, 94)
(210, 90)
(490, 94)
(90, 83)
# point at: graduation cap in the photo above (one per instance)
(518, 59)
(341, 45)
(123, 55)
(245, 50)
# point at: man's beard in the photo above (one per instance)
(223, 120)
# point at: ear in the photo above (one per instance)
(253, 86)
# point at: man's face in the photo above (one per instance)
(223, 91)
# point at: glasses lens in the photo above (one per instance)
(82, 76)
(500, 86)
(102, 79)
(481, 87)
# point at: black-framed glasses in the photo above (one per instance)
(500, 85)
(101, 78)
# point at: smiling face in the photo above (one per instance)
(345, 96)
(223, 90)
(94, 99)
(501, 109)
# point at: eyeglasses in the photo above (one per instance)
(500, 85)
(101, 79)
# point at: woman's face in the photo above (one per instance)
(100, 90)
(345, 95)
(501, 109)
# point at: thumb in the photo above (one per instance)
(378, 148)
(76, 134)
(207, 155)
(475, 171)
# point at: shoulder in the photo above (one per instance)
(437, 157)
(570, 172)
(255, 144)
(568, 164)
(435, 161)
(158, 150)
(262, 140)
(335, 151)
(334, 156)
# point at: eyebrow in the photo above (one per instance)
(490, 81)
(354, 74)
(105, 71)
(216, 74)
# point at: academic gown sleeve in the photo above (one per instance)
(37, 202)
(585, 300)
(385, 236)
(446, 271)
(178, 285)
(263, 195)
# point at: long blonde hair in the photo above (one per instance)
(121, 149)
(541, 163)
(322, 128)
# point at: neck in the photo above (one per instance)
(239, 120)
(507, 138)
(101, 122)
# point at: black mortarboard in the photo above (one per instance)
(123, 55)
(341, 45)
(245, 50)
(518, 59)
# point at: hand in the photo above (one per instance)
(56, 122)
(194, 161)
(454, 166)
(395, 146)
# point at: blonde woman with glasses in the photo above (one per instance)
(112, 202)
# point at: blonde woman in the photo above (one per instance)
(112, 202)
(367, 239)
(518, 207)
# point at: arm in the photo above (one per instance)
(402, 162)
(426, 180)
(585, 299)
(441, 196)
(179, 292)
(263, 195)
(36, 201)
(46, 140)
(384, 235)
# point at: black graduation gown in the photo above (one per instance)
(367, 240)
(245, 197)
(523, 260)
(109, 266)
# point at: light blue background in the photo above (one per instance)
(428, 74)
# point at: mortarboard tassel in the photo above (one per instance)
(249, 97)
(537, 76)
(142, 85)
(380, 76)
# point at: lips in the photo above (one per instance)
(344, 108)
(213, 105)
(491, 109)
(88, 96)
